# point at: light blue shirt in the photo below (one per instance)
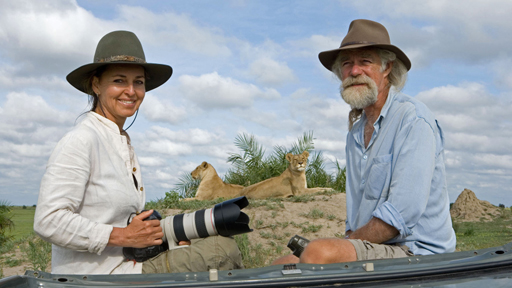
(400, 177)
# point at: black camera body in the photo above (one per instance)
(143, 254)
(297, 244)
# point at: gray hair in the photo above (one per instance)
(398, 75)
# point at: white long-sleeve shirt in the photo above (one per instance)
(88, 189)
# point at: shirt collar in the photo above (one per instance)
(357, 130)
(109, 124)
(385, 109)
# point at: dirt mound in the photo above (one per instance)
(468, 208)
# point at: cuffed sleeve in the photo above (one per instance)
(387, 213)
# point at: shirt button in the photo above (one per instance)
(365, 156)
(364, 181)
(134, 169)
(141, 188)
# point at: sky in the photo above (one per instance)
(252, 67)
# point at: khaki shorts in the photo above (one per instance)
(214, 252)
(369, 251)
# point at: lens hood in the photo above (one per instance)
(229, 219)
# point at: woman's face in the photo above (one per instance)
(120, 89)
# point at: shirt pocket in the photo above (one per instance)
(379, 177)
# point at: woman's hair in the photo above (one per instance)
(87, 84)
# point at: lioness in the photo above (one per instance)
(291, 182)
(211, 185)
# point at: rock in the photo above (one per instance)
(469, 208)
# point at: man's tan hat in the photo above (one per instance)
(364, 33)
(120, 47)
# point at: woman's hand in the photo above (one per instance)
(138, 234)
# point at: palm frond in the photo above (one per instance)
(303, 144)
(187, 186)
(252, 150)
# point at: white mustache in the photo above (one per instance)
(361, 79)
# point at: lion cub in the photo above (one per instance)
(292, 182)
(211, 185)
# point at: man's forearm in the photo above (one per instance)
(375, 231)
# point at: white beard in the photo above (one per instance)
(359, 97)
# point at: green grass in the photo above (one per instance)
(23, 222)
(480, 235)
(313, 214)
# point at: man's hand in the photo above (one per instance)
(375, 231)
(138, 234)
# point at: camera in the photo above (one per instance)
(225, 219)
(297, 244)
(142, 254)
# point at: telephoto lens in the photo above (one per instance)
(297, 244)
(225, 219)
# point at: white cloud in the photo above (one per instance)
(152, 161)
(273, 120)
(468, 108)
(162, 142)
(58, 36)
(25, 109)
(478, 129)
(271, 72)
(315, 44)
(318, 111)
(214, 91)
(42, 36)
(155, 109)
(175, 30)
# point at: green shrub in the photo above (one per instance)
(6, 222)
(470, 231)
(39, 253)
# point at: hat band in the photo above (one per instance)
(357, 42)
(118, 58)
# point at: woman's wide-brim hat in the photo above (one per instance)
(120, 47)
(364, 33)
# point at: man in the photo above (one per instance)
(397, 203)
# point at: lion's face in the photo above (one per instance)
(298, 162)
(198, 173)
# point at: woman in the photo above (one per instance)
(93, 182)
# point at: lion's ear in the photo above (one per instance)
(204, 164)
(289, 157)
(306, 154)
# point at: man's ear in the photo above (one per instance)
(389, 67)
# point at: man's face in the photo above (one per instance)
(362, 78)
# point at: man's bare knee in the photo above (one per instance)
(331, 250)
